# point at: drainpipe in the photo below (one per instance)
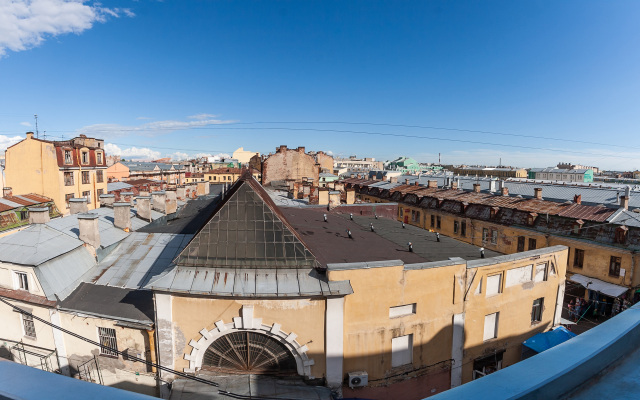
(152, 348)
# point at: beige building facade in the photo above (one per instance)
(60, 170)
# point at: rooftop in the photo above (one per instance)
(19, 201)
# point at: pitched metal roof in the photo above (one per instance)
(111, 186)
(61, 275)
(11, 202)
(250, 282)
(138, 259)
(35, 245)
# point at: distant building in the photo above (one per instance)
(173, 174)
(561, 165)
(290, 164)
(60, 170)
(355, 163)
(404, 164)
(565, 175)
(14, 210)
(326, 178)
(636, 174)
(243, 156)
(226, 175)
(498, 172)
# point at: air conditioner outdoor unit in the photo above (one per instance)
(358, 379)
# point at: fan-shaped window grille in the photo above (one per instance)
(249, 352)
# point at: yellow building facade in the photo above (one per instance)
(60, 170)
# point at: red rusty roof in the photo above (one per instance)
(23, 295)
(24, 200)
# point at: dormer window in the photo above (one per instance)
(531, 218)
(99, 158)
(494, 211)
(85, 157)
(67, 157)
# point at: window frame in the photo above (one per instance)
(438, 222)
(68, 160)
(456, 225)
(87, 175)
(99, 176)
(28, 326)
(494, 236)
(84, 157)
(578, 258)
(433, 221)
(112, 341)
(537, 310)
(616, 262)
(534, 242)
(398, 363)
(463, 228)
(495, 328)
(68, 182)
(22, 280)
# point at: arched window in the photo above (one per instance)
(249, 352)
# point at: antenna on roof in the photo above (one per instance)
(36, 117)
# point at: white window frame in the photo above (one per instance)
(21, 280)
(402, 311)
(492, 319)
(500, 283)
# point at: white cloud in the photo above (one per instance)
(6, 141)
(25, 24)
(202, 116)
(147, 129)
(28, 124)
(134, 153)
(144, 118)
(179, 156)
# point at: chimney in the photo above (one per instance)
(394, 179)
(107, 200)
(624, 202)
(300, 150)
(493, 186)
(385, 178)
(538, 193)
(39, 215)
(454, 184)
(172, 201)
(127, 197)
(122, 216)
(143, 193)
(406, 181)
(505, 191)
(432, 184)
(78, 205)
(181, 193)
(476, 187)
(6, 191)
(158, 201)
(89, 233)
(29, 135)
(281, 149)
(144, 207)
(353, 175)
(417, 182)
(577, 199)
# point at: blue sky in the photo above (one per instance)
(533, 83)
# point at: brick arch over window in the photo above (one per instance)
(248, 323)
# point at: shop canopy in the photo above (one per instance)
(546, 340)
(599, 286)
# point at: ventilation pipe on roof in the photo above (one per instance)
(493, 186)
(158, 202)
(107, 200)
(505, 191)
(144, 207)
(476, 187)
(39, 215)
(6, 191)
(171, 201)
(577, 199)
(78, 205)
(88, 226)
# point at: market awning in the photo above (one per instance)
(546, 340)
(599, 286)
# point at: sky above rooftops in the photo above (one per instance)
(531, 83)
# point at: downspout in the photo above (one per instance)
(152, 348)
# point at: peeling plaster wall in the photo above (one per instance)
(290, 164)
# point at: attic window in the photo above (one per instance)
(621, 234)
(531, 218)
(494, 211)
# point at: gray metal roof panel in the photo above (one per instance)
(61, 275)
(287, 282)
(224, 281)
(183, 280)
(266, 282)
(111, 186)
(11, 203)
(245, 282)
(35, 245)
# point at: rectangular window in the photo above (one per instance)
(401, 350)
(99, 192)
(68, 178)
(541, 273)
(520, 244)
(85, 157)
(494, 236)
(433, 221)
(22, 281)
(99, 158)
(68, 197)
(415, 216)
(455, 227)
(67, 157)
(485, 235)
(536, 310)
(99, 176)
(490, 326)
(614, 266)
(494, 284)
(438, 222)
(532, 244)
(578, 258)
(85, 177)
(29, 326)
(463, 228)
(401, 311)
(87, 195)
(107, 339)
